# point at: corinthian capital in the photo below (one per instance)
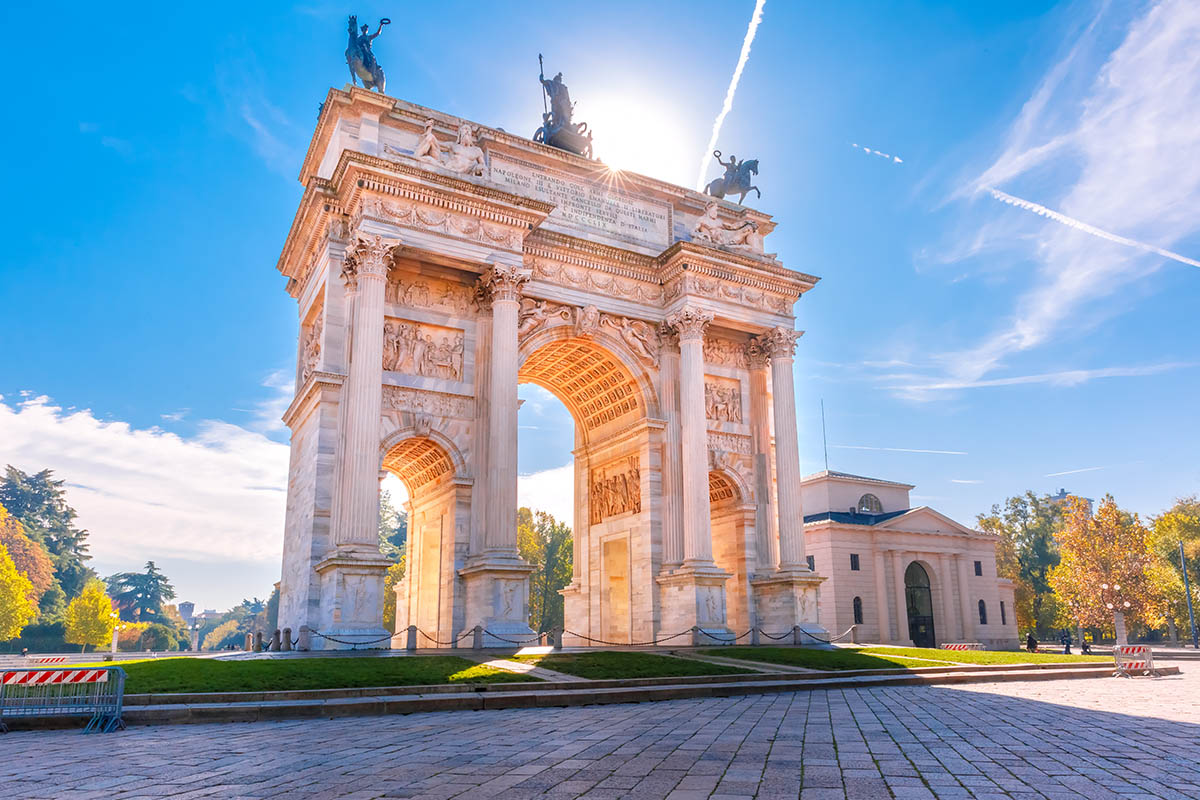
(371, 256)
(689, 323)
(756, 354)
(779, 342)
(503, 283)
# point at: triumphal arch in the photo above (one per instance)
(437, 264)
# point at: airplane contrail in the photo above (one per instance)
(1071, 222)
(733, 84)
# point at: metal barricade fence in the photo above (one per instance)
(95, 692)
(1133, 659)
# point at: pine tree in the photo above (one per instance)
(39, 502)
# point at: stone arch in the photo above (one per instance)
(595, 376)
(726, 487)
(421, 459)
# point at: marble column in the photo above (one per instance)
(900, 563)
(351, 574)
(672, 475)
(689, 324)
(881, 600)
(496, 579)
(945, 582)
(766, 523)
(780, 346)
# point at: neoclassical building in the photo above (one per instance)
(436, 264)
(902, 575)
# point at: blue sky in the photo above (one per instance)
(147, 341)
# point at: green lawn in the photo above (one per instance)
(617, 664)
(209, 675)
(983, 656)
(817, 659)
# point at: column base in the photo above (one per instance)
(786, 599)
(497, 598)
(351, 600)
(693, 597)
(575, 614)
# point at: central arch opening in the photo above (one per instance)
(577, 461)
(919, 601)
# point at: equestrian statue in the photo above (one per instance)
(736, 179)
(557, 129)
(361, 59)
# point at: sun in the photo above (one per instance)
(634, 134)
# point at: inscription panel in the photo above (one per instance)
(588, 205)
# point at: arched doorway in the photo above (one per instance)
(919, 600)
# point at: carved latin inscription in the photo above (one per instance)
(616, 489)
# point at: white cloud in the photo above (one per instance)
(922, 388)
(211, 502)
(964, 481)
(1115, 146)
(552, 491)
(899, 450)
(1072, 471)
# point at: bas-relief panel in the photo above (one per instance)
(725, 353)
(616, 488)
(311, 347)
(722, 399)
(430, 351)
(430, 293)
(423, 401)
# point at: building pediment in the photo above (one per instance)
(923, 520)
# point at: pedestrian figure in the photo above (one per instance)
(1084, 647)
(1066, 642)
(1031, 643)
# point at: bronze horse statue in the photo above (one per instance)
(736, 179)
(361, 59)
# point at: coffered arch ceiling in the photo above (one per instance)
(596, 387)
(420, 463)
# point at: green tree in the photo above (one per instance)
(220, 637)
(393, 527)
(90, 618)
(17, 608)
(39, 502)
(141, 595)
(1027, 553)
(545, 543)
(1178, 524)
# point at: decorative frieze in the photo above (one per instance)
(416, 215)
(725, 353)
(616, 488)
(639, 336)
(723, 400)
(726, 291)
(593, 280)
(730, 443)
(422, 401)
(430, 351)
(430, 293)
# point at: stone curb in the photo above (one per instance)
(549, 695)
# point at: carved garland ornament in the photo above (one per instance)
(588, 320)
(596, 281)
(432, 219)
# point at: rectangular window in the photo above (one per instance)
(854, 561)
(1003, 616)
(979, 568)
(812, 563)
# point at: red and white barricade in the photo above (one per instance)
(962, 646)
(1133, 659)
(51, 660)
(95, 692)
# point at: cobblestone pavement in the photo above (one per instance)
(1064, 739)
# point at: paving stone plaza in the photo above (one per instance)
(1098, 739)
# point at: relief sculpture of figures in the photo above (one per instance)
(722, 403)
(736, 179)
(428, 147)
(463, 155)
(616, 489)
(406, 348)
(711, 230)
(312, 348)
(361, 59)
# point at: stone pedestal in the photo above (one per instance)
(497, 597)
(784, 600)
(351, 599)
(694, 597)
(575, 608)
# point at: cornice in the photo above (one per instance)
(317, 382)
(591, 255)
(684, 257)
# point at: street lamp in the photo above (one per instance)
(1118, 605)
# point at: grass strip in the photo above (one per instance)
(839, 659)
(982, 656)
(209, 675)
(618, 664)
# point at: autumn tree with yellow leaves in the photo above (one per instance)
(1106, 565)
(17, 609)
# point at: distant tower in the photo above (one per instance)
(185, 611)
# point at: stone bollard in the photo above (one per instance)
(854, 634)
(797, 635)
(695, 636)
(304, 639)
(285, 644)
(477, 641)
(275, 641)
(249, 645)
(410, 644)
(754, 642)
(258, 645)
(556, 638)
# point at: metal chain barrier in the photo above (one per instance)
(452, 643)
(629, 644)
(355, 644)
(780, 638)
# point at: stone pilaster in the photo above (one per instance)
(672, 478)
(352, 572)
(899, 565)
(497, 579)
(964, 597)
(881, 600)
(765, 523)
